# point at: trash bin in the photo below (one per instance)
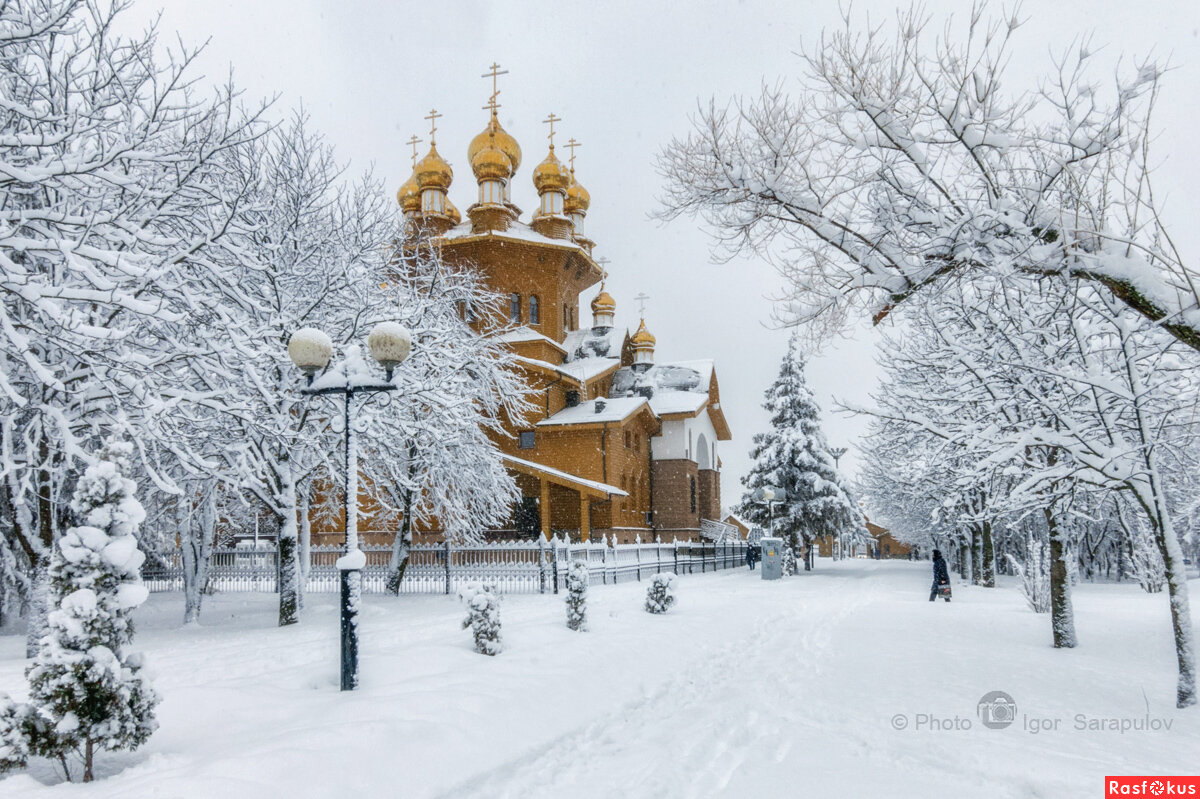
(772, 558)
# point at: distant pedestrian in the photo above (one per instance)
(752, 555)
(941, 578)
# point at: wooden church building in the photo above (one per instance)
(620, 444)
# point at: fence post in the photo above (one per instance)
(542, 565)
(554, 561)
(638, 550)
(446, 554)
(675, 544)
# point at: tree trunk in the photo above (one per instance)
(988, 576)
(39, 608)
(964, 562)
(87, 761)
(400, 549)
(976, 554)
(305, 546)
(195, 543)
(1062, 614)
(289, 573)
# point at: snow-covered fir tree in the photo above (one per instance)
(789, 562)
(793, 455)
(93, 694)
(483, 617)
(660, 596)
(577, 595)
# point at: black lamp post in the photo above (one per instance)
(310, 350)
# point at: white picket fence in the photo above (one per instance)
(517, 567)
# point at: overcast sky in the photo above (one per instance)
(624, 77)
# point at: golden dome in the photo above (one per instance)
(490, 163)
(578, 198)
(494, 135)
(603, 302)
(452, 212)
(432, 171)
(550, 175)
(409, 195)
(642, 337)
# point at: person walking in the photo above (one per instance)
(751, 555)
(941, 577)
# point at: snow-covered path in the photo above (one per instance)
(745, 688)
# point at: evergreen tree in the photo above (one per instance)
(577, 592)
(88, 691)
(483, 617)
(793, 456)
(660, 596)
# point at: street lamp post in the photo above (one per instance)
(310, 350)
(837, 453)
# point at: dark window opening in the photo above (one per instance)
(692, 485)
(535, 313)
(514, 308)
(528, 440)
(572, 399)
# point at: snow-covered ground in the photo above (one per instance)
(745, 688)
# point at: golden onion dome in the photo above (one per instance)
(578, 198)
(452, 212)
(490, 163)
(642, 337)
(603, 302)
(409, 195)
(432, 171)
(550, 175)
(494, 135)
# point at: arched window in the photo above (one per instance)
(514, 308)
(535, 313)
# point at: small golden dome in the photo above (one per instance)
(603, 302)
(490, 163)
(452, 212)
(432, 171)
(642, 337)
(578, 198)
(494, 135)
(550, 175)
(409, 195)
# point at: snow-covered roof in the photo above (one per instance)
(565, 476)
(525, 333)
(545, 366)
(667, 402)
(517, 231)
(614, 410)
(592, 342)
(586, 369)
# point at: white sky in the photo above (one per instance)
(624, 77)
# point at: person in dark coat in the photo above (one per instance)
(941, 575)
(752, 554)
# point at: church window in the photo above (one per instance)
(528, 439)
(535, 312)
(514, 308)
(628, 440)
(692, 487)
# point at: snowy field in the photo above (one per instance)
(823, 685)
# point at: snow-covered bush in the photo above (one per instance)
(577, 594)
(1035, 576)
(14, 741)
(90, 694)
(483, 616)
(789, 562)
(660, 596)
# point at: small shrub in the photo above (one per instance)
(577, 595)
(661, 594)
(789, 562)
(483, 617)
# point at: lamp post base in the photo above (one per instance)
(351, 595)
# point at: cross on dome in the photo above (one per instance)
(640, 299)
(494, 72)
(432, 116)
(414, 141)
(551, 120)
(571, 145)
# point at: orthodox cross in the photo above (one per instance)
(493, 73)
(432, 116)
(640, 299)
(604, 262)
(571, 145)
(414, 141)
(551, 120)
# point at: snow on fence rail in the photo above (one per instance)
(517, 567)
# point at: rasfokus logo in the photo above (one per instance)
(1151, 786)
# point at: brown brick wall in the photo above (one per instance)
(672, 495)
(709, 490)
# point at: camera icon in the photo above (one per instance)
(996, 710)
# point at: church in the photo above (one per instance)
(620, 444)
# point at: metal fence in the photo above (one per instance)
(518, 567)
